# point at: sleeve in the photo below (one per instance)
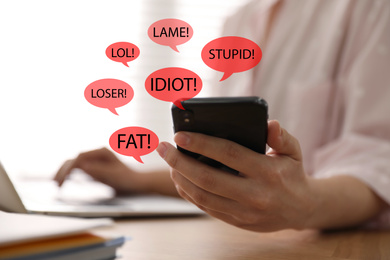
(363, 147)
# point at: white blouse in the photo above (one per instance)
(325, 74)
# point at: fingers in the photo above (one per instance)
(202, 197)
(223, 208)
(227, 152)
(282, 142)
(217, 214)
(249, 200)
(97, 169)
(86, 162)
(238, 157)
(205, 177)
(64, 171)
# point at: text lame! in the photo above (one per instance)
(176, 32)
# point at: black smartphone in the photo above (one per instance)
(240, 119)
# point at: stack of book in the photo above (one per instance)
(25, 236)
(82, 246)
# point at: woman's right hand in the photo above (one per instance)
(104, 166)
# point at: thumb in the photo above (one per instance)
(281, 142)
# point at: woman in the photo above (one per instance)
(325, 75)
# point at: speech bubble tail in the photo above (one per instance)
(138, 158)
(225, 76)
(178, 104)
(173, 47)
(112, 110)
(125, 63)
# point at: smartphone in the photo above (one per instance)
(239, 119)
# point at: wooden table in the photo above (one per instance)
(207, 238)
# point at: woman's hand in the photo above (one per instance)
(271, 192)
(105, 167)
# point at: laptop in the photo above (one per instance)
(84, 199)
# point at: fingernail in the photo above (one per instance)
(162, 150)
(280, 128)
(182, 139)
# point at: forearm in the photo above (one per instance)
(342, 201)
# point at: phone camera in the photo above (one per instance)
(187, 117)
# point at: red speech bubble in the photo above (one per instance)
(122, 52)
(173, 85)
(134, 141)
(109, 93)
(170, 32)
(231, 54)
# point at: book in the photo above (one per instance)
(86, 246)
(25, 236)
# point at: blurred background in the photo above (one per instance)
(51, 50)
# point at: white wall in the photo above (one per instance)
(51, 50)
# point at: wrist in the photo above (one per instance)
(341, 201)
(156, 182)
(142, 183)
(315, 209)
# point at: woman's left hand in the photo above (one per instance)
(270, 193)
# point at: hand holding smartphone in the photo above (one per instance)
(239, 119)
